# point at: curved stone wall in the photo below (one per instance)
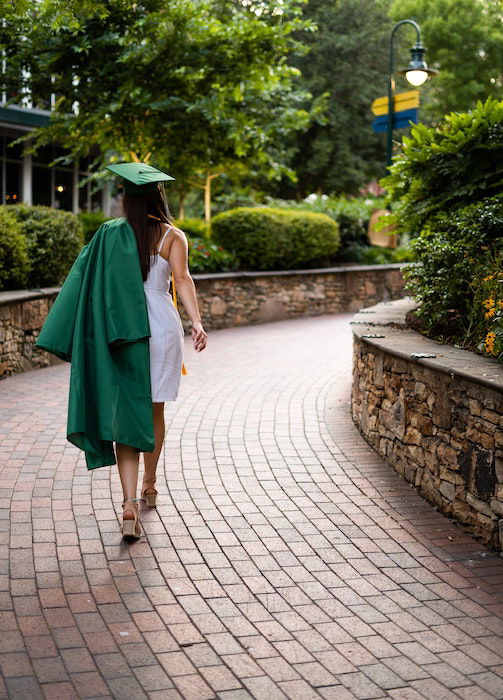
(435, 413)
(225, 300)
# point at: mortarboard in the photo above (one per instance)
(139, 178)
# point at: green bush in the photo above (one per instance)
(91, 221)
(54, 239)
(352, 215)
(377, 255)
(439, 169)
(14, 261)
(266, 238)
(448, 249)
(193, 227)
(205, 256)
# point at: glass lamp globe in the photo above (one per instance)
(416, 77)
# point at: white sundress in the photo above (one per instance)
(166, 330)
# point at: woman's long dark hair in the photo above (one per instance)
(147, 229)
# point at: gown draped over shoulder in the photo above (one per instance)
(166, 341)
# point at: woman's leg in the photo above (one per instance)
(128, 460)
(151, 458)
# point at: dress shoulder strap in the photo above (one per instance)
(162, 239)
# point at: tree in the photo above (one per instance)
(347, 61)
(464, 39)
(194, 82)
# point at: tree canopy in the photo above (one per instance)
(464, 39)
(348, 62)
(276, 94)
(202, 84)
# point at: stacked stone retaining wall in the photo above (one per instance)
(437, 420)
(225, 300)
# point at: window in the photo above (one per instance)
(63, 189)
(41, 185)
(52, 187)
(11, 167)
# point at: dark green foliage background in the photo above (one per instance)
(54, 239)
(442, 168)
(14, 260)
(440, 189)
(449, 249)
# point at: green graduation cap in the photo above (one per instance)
(139, 178)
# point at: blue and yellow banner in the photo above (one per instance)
(402, 101)
(400, 120)
(405, 110)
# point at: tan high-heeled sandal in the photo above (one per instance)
(131, 526)
(148, 492)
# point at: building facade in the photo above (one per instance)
(30, 179)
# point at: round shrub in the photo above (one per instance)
(54, 240)
(266, 238)
(14, 261)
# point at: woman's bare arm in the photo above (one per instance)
(185, 288)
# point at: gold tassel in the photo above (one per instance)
(184, 371)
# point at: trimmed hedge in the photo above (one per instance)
(266, 238)
(14, 260)
(54, 239)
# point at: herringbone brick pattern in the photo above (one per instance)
(285, 560)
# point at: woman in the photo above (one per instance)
(115, 321)
(162, 250)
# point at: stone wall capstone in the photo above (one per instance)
(435, 413)
(225, 300)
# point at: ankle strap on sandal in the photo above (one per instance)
(133, 500)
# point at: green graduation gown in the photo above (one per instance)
(99, 323)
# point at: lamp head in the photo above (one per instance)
(417, 72)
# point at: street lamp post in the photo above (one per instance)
(417, 73)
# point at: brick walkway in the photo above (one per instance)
(286, 559)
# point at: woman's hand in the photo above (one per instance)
(199, 336)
